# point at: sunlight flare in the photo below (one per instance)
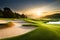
(37, 11)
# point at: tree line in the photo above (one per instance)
(8, 13)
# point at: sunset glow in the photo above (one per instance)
(37, 11)
(34, 12)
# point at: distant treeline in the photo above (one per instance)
(56, 15)
(8, 13)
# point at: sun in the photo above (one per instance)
(37, 11)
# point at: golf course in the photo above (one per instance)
(43, 31)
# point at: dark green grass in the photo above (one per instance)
(38, 34)
(42, 32)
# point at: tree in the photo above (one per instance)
(23, 16)
(7, 13)
(1, 13)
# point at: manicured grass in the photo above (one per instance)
(42, 32)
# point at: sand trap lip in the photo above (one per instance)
(2, 21)
(14, 31)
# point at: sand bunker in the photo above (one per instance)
(5, 25)
(15, 30)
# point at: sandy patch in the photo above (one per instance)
(16, 30)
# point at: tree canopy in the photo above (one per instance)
(8, 13)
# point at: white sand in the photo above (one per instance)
(14, 31)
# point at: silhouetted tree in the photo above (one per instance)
(16, 15)
(8, 12)
(1, 13)
(23, 16)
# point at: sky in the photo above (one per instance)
(25, 4)
(31, 8)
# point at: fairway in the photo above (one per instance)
(42, 32)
